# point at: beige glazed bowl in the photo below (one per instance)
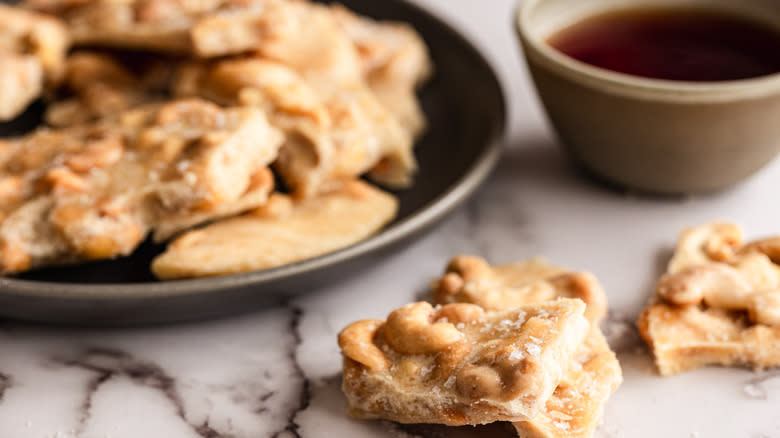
(653, 135)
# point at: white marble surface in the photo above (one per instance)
(276, 373)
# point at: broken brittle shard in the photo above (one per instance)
(457, 364)
(575, 408)
(95, 191)
(718, 303)
(283, 231)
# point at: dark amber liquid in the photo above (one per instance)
(674, 44)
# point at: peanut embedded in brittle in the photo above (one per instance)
(462, 272)
(99, 153)
(735, 286)
(717, 285)
(412, 330)
(64, 181)
(769, 247)
(11, 188)
(459, 313)
(704, 244)
(357, 343)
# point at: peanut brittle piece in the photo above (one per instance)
(367, 138)
(325, 142)
(213, 154)
(32, 54)
(204, 28)
(574, 410)
(395, 61)
(95, 191)
(366, 135)
(718, 304)
(335, 131)
(316, 46)
(457, 364)
(704, 244)
(307, 157)
(282, 232)
(471, 279)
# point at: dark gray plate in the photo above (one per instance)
(466, 113)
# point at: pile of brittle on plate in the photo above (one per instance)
(518, 343)
(252, 119)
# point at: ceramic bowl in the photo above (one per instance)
(647, 134)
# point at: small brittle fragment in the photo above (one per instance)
(718, 303)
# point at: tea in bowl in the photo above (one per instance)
(667, 96)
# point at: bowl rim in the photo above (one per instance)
(636, 86)
(425, 216)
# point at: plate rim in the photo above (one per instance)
(425, 216)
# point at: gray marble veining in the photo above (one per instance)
(5, 383)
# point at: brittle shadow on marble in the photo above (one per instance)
(493, 430)
(540, 161)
